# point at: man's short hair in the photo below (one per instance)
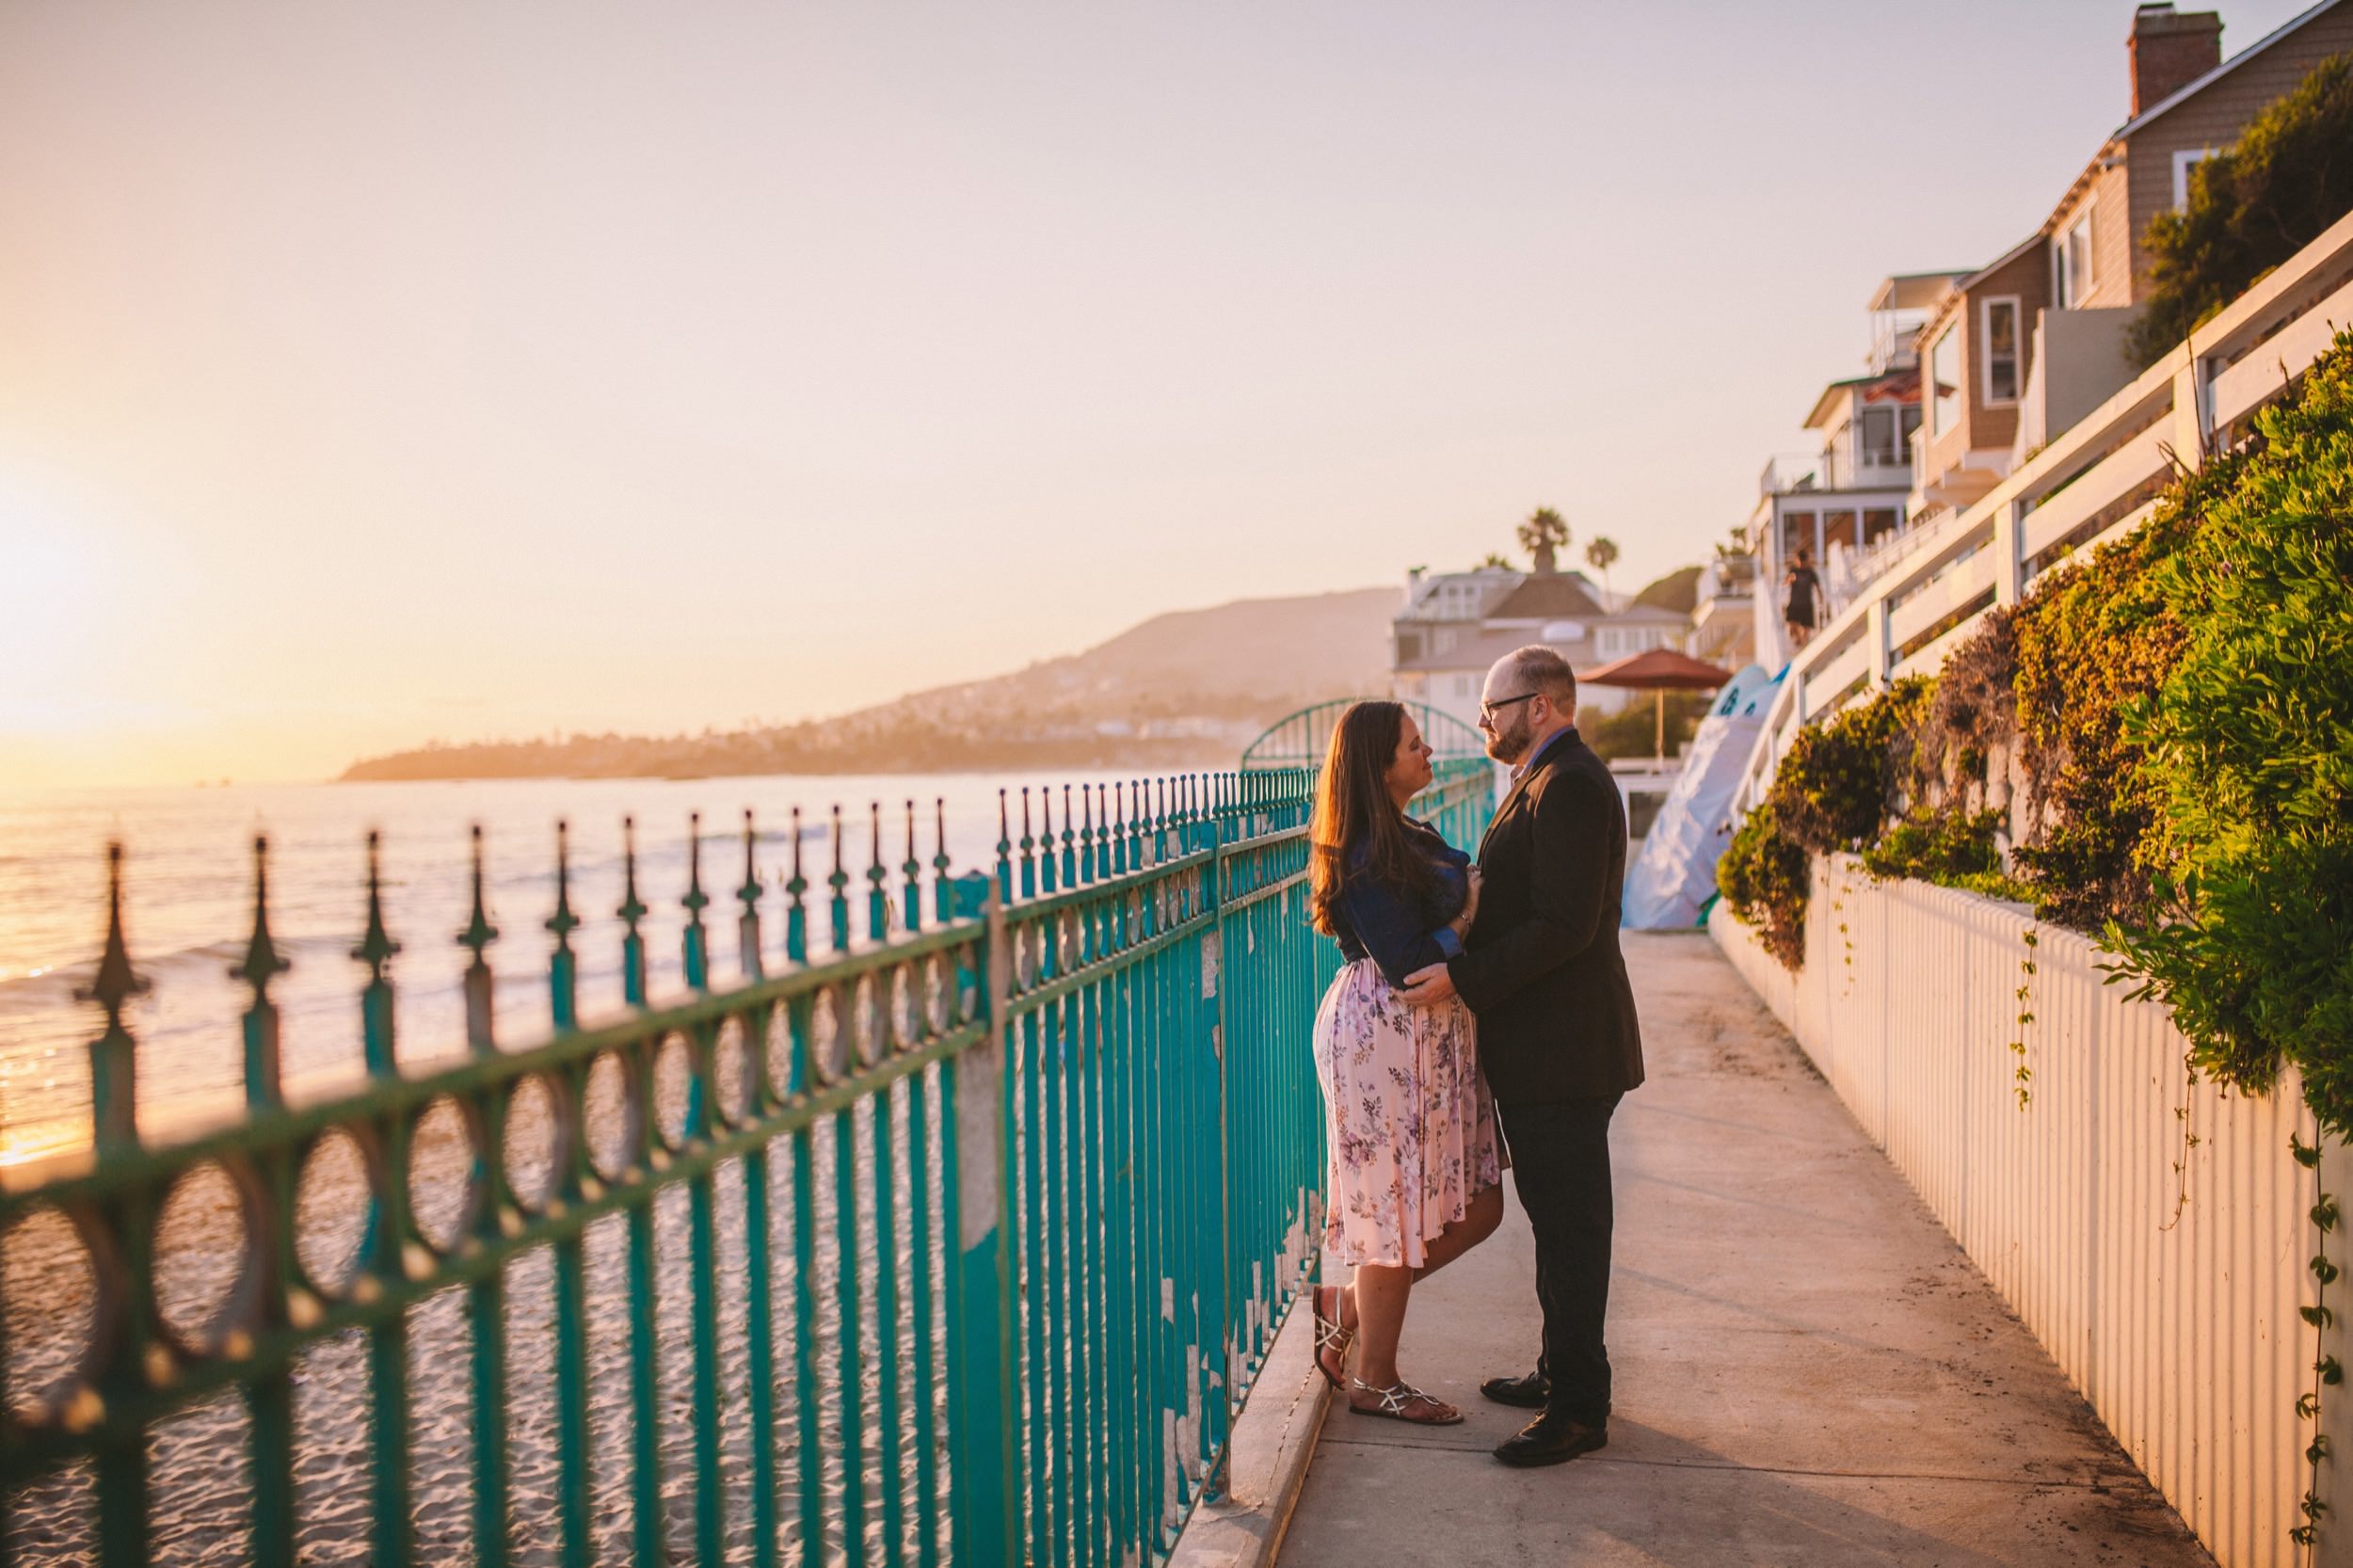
(1543, 670)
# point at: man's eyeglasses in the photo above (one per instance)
(1487, 710)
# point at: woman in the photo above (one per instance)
(1802, 593)
(1415, 1167)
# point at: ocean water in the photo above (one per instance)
(188, 912)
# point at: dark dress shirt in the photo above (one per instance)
(1397, 931)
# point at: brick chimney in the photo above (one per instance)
(2171, 49)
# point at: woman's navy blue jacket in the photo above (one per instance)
(1397, 931)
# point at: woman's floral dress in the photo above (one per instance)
(1413, 1127)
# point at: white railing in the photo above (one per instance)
(2093, 483)
(2152, 1233)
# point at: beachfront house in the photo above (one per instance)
(2021, 349)
(1848, 496)
(1453, 625)
(2004, 357)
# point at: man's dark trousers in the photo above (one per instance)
(1561, 1164)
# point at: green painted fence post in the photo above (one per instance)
(980, 1426)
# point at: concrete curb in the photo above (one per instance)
(1274, 1438)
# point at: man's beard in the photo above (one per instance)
(1509, 746)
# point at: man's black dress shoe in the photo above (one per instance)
(1533, 1392)
(1550, 1440)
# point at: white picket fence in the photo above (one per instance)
(2169, 1297)
(2094, 482)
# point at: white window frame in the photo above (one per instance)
(1929, 382)
(2069, 290)
(2184, 161)
(2017, 350)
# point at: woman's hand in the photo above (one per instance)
(1461, 923)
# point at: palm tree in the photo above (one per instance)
(1494, 560)
(1542, 534)
(1599, 555)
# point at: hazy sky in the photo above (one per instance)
(375, 373)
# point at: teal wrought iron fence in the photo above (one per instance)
(1298, 740)
(960, 1240)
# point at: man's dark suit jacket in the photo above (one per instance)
(1542, 969)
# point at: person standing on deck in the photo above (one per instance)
(1800, 610)
(1542, 974)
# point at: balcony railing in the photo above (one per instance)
(1789, 471)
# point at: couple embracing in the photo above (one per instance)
(1473, 993)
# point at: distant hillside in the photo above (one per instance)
(1190, 688)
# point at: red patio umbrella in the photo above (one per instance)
(1659, 670)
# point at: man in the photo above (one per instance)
(1542, 974)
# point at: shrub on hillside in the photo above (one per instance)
(2093, 641)
(1840, 781)
(1766, 878)
(1830, 792)
(2248, 760)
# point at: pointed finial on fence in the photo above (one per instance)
(563, 922)
(839, 882)
(695, 901)
(1029, 849)
(1046, 837)
(877, 896)
(114, 1055)
(377, 945)
(1004, 851)
(749, 894)
(114, 983)
(478, 936)
(912, 869)
(1070, 841)
(263, 963)
(943, 902)
(697, 953)
(796, 913)
(748, 926)
(563, 966)
(376, 949)
(632, 911)
(479, 933)
(1086, 834)
(1125, 830)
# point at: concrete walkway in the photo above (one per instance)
(1809, 1373)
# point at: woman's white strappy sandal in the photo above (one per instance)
(1397, 1398)
(1330, 1335)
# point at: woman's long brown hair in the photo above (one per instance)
(1353, 808)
